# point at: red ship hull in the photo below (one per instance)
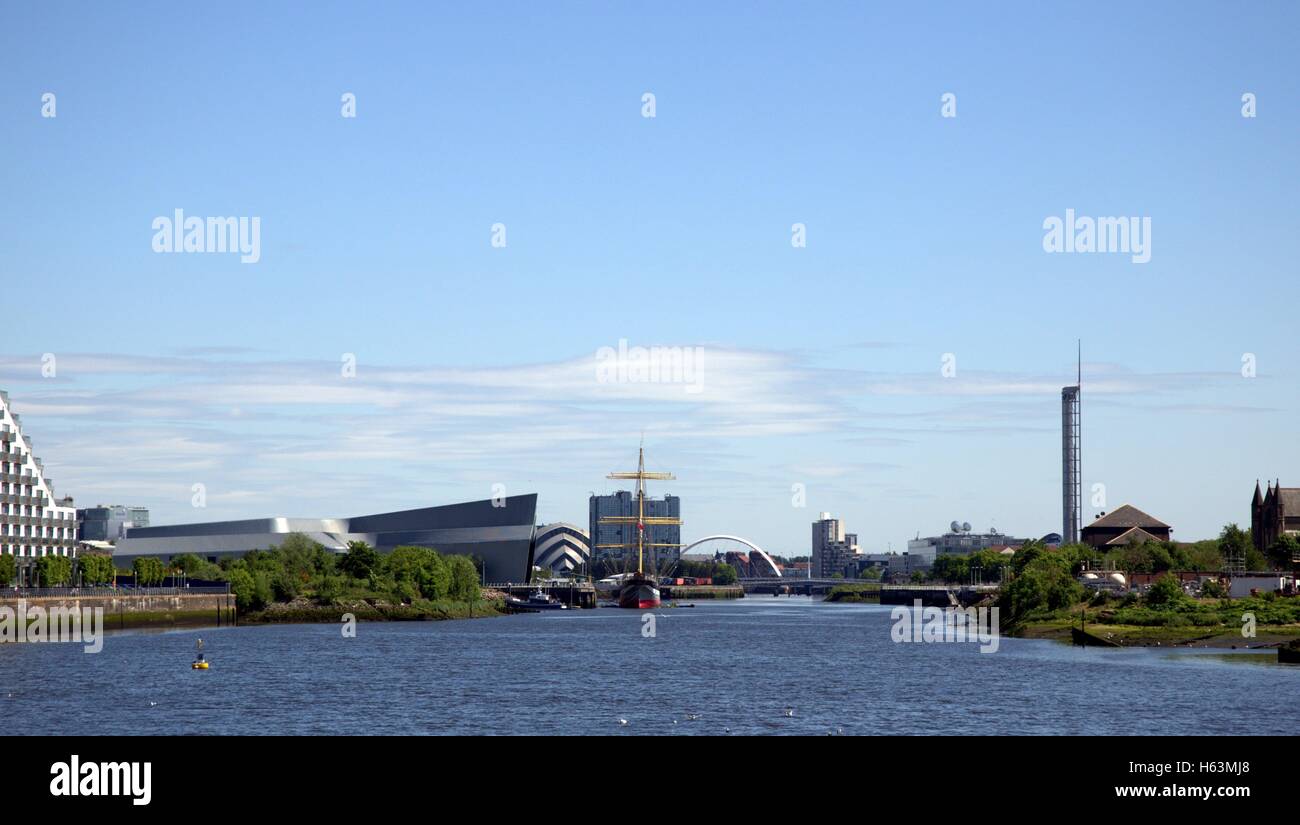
(639, 593)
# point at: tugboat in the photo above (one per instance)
(540, 601)
(640, 591)
(537, 601)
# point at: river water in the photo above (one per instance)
(737, 665)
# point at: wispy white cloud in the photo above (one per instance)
(266, 435)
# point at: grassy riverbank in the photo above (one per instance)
(1190, 623)
(854, 593)
(703, 592)
(373, 610)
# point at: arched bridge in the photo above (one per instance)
(761, 552)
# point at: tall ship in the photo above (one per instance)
(639, 590)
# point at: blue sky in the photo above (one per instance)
(821, 365)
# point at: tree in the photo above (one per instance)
(300, 557)
(54, 571)
(96, 569)
(1028, 552)
(148, 571)
(360, 561)
(422, 568)
(252, 588)
(464, 580)
(1045, 582)
(194, 567)
(951, 568)
(725, 574)
(8, 569)
(1148, 557)
(1286, 548)
(1233, 543)
(1166, 591)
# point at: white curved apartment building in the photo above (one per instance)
(32, 524)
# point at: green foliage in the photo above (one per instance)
(360, 561)
(53, 571)
(1045, 582)
(958, 569)
(300, 568)
(1213, 589)
(720, 572)
(725, 574)
(194, 567)
(1078, 556)
(96, 569)
(241, 584)
(854, 593)
(1199, 555)
(1167, 591)
(1236, 543)
(251, 586)
(1283, 550)
(330, 588)
(148, 571)
(8, 569)
(464, 580)
(1184, 612)
(1149, 557)
(951, 568)
(422, 569)
(1026, 555)
(301, 558)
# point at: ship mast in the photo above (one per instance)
(641, 519)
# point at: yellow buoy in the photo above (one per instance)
(200, 665)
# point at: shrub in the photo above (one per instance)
(360, 561)
(329, 589)
(1213, 589)
(1167, 591)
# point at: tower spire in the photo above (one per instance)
(1071, 478)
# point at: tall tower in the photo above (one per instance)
(1071, 480)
